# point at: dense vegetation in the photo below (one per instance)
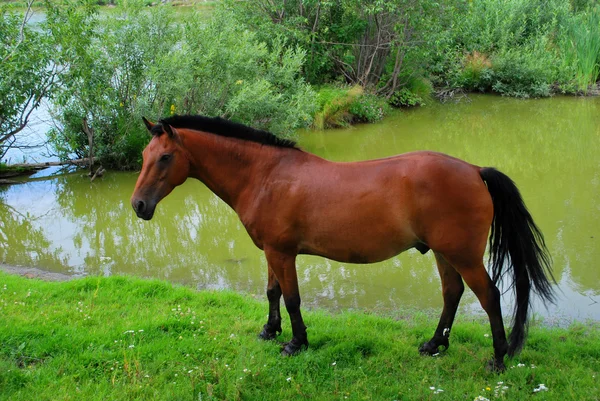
(279, 64)
(126, 339)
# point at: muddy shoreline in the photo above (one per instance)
(35, 273)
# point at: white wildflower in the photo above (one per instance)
(540, 387)
(289, 379)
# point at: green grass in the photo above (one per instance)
(343, 106)
(123, 339)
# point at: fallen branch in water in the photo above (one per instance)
(39, 166)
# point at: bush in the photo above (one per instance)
(523, 73)
(221, 68)
(476, 73)
(368, 108)
(106, 77)
(334, 106)
(342, 106)
(146, 62)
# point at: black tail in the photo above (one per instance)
(515, 236)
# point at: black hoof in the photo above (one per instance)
(294, 347)
(269, 334)
(495, 366)
(431, 348)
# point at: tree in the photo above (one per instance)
(27, 74)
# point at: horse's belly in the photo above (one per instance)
(359, 246)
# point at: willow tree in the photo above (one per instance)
(27, 74)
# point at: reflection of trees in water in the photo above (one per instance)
(22, 243)
(408, 280)
(189, 238)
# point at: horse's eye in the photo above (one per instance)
(166, 157)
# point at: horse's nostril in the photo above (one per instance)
(140, 206)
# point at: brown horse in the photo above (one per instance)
(292, 202)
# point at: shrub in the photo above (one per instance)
(477, 72)
(335, 106)
(221, 68)
(523, 72)
(368, 108)
(342, 106)
(146, 62)
(416, 92)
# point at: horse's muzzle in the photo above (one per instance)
(144, 210)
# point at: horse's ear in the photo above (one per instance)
(148, 124)
(169, 130)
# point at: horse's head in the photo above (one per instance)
(165, 166)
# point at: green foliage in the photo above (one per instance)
(150, 62)
(252, 62)
(26, 73)
(582, 47)
(223, 69)
(521, 73)
(334, 105)
(368, 108)
(405, 98)
(417, 92)
(517, 48)
(107, 63)
(342, 106)
(121, 338)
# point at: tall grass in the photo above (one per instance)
(585, 45)
(335, 106)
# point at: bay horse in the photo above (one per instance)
(292, 202)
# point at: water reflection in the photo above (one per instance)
(68, 224)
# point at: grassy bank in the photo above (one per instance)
(123, 338)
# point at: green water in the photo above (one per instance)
(548, 147)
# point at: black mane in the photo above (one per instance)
(223, 127)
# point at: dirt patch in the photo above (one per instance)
(32, 272)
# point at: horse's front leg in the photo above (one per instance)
(284, 266)
(273, 327)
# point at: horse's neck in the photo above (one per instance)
(230, 167)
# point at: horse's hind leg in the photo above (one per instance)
(452, 290)
(273, 327)
(488, 294)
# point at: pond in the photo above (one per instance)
(549, 147)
